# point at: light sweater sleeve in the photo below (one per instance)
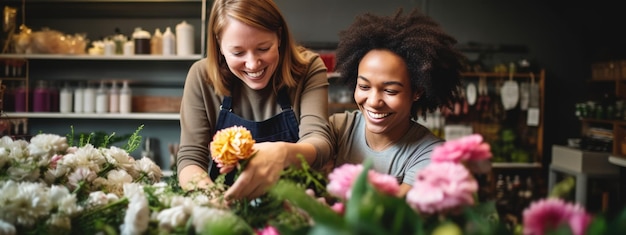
(312, 106)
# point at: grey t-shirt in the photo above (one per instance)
(402, 160)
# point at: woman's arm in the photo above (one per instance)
(198, 112)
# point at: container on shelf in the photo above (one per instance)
(141, 38)
(169, 42)
(65, 98)
(125, 98)
(184, 38)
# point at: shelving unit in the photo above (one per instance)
(149, 75)
(608, 79)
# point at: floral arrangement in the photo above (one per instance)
(48, 186)
(442, 201)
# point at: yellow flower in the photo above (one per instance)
(230, 145)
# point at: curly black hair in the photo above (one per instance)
(434, 65)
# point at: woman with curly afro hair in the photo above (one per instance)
(400, 67)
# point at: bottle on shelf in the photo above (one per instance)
(114, 98)
(21, 93)
(65, 98)
(89, 94)
(126, 96)
(41, 97)
(184, 38)
(169, 42)
(53, 97)
(156, 42)
(102, 99)
(79, 97)
(129, 48)
(8, 100)
(142, 41)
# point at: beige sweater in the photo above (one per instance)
(201, 105)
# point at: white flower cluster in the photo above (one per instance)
(46, 180)
(24, 203)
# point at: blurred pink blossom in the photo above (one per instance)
(548, 214)
(339, 207)
(468, 148)
(442, 187)
(342, 178)
(268, 230)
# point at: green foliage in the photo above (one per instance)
(98, 138)
(134, 141)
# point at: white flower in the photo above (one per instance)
(120, 158)
(17, 151)
(201, 215)
(23, 203)
(147, 166)
(99, 198)
(79, 175)
(160, 187)
(24, 172)
(116, 179)
(60, 221)
(138, 214)
(65, 201)
(172, 217)
(6, 228)
(133, 190)
(86, 156)
(44, 146)
(202, 200)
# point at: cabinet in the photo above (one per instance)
(603, 113)
(148, 75)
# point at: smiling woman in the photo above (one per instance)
(405, 67)
(254, 76)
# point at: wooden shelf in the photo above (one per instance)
(143, 116)
(99, 57)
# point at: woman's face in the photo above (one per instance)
(251, 53)
(383, 93)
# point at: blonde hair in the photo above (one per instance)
(262, 14)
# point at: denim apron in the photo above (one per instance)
(281, 127)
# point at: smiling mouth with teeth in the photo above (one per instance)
(257, 74)
(377, 115)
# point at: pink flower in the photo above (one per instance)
(468, 148)
(441, 187)
(339, 207)
(343, 177)
(268, 230)
(548, 214)
(54, 160)
(384, 183)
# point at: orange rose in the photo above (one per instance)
(230, 145)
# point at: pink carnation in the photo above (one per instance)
(338, 207)
(269, 230)
(384, 183)
(548, 214)
(468, 148)
(341, 180)
(343, 177)
(441, 187)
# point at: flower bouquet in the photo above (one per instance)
(49, 186)
(442, 201)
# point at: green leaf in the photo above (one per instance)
(322, 214)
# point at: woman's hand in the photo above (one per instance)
(261, 172)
